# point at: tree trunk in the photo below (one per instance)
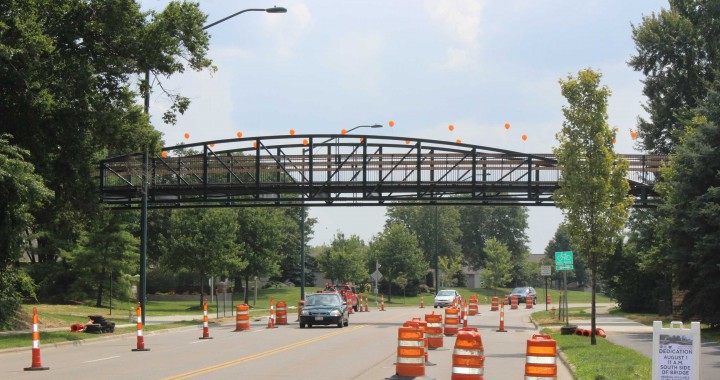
(247, 290)
(98, 303)
(202, 292)
(593, 340)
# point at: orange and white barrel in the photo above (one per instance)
(242, 317)
(468, 359)
(494, 304)
(410, 352)
(541, 358)
(282, 313)
(514, 302)
(434, 330)
(452, 320)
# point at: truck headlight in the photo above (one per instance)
(335, 313)
(305, 312)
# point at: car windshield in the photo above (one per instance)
(322, 300)
(446, 293)
(520, 291)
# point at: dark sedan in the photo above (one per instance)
(522, 293)
(324, 309)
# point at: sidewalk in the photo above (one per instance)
(639, 337)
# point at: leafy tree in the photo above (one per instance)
(345, 259)
(421, 222)
(203, 242)
(290, 268)
(593, 191)
(260, 234)
(21, 190)
(398, 252)
(68, 95)
(506, 224)
(679, 54)
(497, 270)
(108, 249)
(691, 195)
(450, 267)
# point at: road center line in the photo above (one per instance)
(278, 350)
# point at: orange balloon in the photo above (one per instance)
(292, 132)
(507, 125)
(163, 154)
(344, 131)
(362, 139)
(451, 127)
(633, 134)
(254, 144)
(614, 140)
(212, 145)
(524, 137)
(392, 123)
(187, 135)
(458, 141)
(239, 134)
(407, 142)
(305, 142)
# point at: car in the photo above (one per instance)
(326, 308)
(522, 293)
(446, 297)
(348, 293)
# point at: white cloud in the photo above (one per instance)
(356, 61)
(288, 30)
(460, 19)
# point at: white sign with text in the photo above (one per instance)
(676, 351)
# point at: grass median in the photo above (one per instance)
(605, 360)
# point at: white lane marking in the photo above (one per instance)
(99, 360)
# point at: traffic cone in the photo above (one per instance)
(206, 327)
(422, 301)
(502, 318)
(36, 365)
(366, 303)
(382, 302)
(271, 319)
(140, 338)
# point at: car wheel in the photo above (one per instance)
(355, 308)
(340, 324)
(347, 322)
(436, 306)
(534, 300)
(302, 325)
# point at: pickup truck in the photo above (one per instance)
(348, 293)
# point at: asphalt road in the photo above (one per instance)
(364, 350)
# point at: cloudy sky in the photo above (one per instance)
(326, 65)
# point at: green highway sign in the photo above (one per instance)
(564, 260)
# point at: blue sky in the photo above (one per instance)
(333, 64)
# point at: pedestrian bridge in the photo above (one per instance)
(344, 170)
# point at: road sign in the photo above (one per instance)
(377, 275)
(564, 260)
(545, 270)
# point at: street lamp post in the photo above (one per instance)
(145, 179)
(302, 219)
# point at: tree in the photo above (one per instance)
(593, 192)
(497, 270)
(260, 233)
(108, 249)
(68, 95)
(691, 194)
(398, 252)
(290, 268)
(421, 222)
(203, 242)
(450, 267)
(345, 260)
(21, 190)
(679, 54)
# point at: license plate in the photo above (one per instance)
(318, 318)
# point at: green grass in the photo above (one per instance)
(602, 361)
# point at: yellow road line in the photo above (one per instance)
(260, 355)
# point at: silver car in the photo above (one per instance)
(446, 297)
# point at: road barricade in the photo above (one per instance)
(36, 364)
(452, 320)
(468, 359)
(548, 300)
(417, 322)
(410, 352)
(513, 302)
(494, 304)
(541, 357)
(434, 330)
(473, 308)
(282, 313)
(529, 302)
(242, 317)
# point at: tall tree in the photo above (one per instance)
(345, 259)
(593, 192)
(21, 190)
(692, 202)
(561, 243)
(507, 224)
(398, 252)
(203, 242)
(497, 266)
(679, 54)
(450, 269)
(421, 222)
(68, 93)
(108, 249)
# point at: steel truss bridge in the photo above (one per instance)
(343, 170)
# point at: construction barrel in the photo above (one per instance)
(513, 302)
(468, 359)
(419, 323)
(473, 308)
(410, 352)
(452, 320)
(529, 302)
(281, 311)
(434, 330)
(541, 358)
(494, 304)
(242, 317)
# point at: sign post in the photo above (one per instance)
(676, 351)
(564, 262)
(546, 271)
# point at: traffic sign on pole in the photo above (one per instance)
(564, 260)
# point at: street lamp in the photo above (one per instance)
(302, 220)
(145, 185)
